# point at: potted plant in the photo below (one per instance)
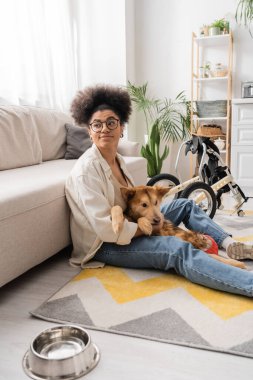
(218, 27)
(205, 70)
(165, 120)
(244, 14)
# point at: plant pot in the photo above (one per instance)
(214, 31)
(220, 143)
(204, 73)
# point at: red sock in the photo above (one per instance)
(214, 247)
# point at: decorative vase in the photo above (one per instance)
(206, 30)
(220, 143)
(219, 70)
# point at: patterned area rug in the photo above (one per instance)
(157, 306)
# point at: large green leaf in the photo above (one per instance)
(166, 120)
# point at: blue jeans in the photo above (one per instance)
(170, 252)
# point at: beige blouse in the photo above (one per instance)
(91, 192)
(118, 200)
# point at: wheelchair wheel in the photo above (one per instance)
(203, 195)
(165, 180)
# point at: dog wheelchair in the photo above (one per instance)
(213, 180)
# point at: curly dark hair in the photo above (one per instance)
(91, 99)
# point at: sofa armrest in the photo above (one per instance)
(129, 148)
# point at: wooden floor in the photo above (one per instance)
(122, 357)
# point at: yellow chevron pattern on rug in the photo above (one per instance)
(159, 306)
(124, 289)
(244, 239)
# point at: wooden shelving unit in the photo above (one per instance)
(199, 46)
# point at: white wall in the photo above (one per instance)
(163, 32)
(106, 43)
(102, 46)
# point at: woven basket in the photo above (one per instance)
(219, 73)
(209, 130)
(213, 108)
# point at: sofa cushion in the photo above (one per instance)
(19, 139)
(32, 186)
(137, 166)
(51, 130)
(78, 141)
(128, 148)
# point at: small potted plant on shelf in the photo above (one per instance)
(220, 26)
(205, 70)
(166, 120)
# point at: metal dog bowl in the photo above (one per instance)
(62, 352)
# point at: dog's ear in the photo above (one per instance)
(127, 193)
(162, 190)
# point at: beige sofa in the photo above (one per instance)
(34, 215)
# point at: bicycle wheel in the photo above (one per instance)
(203, 195)
(165, 180)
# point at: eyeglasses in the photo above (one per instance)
(110, 123)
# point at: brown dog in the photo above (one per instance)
(143, 207)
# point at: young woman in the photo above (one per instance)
(93, 187)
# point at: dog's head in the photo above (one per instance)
(145, 201)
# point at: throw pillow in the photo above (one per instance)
(128, 148)
(50, 125)
(78, 141)
(19, 140)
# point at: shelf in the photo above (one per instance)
(204, 89)
(242, 101)
(209, 118)
(212, 79)
(219, 40)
